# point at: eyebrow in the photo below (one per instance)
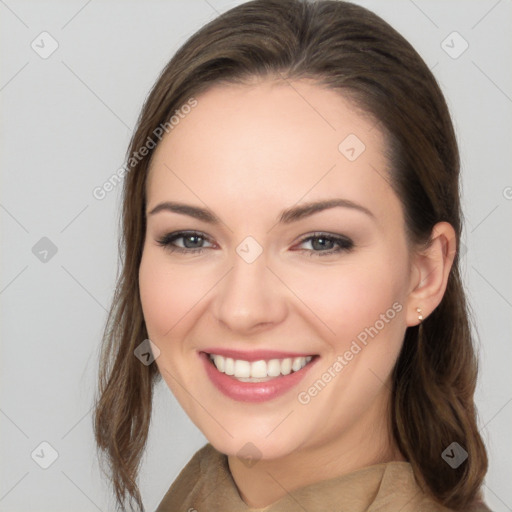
(288, 216)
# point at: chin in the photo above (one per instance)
(252, 444)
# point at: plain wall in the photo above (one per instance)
(65, 124)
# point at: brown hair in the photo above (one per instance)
(349, 49)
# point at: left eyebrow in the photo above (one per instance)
(299, 212)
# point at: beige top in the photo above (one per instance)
(206, 484)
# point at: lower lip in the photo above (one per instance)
(252, 391)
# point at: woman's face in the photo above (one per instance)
(265, 282)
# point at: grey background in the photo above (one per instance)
(66, 122)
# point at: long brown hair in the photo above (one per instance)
(353, 51)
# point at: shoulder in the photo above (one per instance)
(399, 487)
(206, 466)
(479, 506)
(203, 461)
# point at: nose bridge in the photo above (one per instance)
(249, 295)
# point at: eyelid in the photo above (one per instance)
(166, 240)
(344, 243)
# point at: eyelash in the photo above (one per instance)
(344, 243)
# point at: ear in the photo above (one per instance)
(430, 270)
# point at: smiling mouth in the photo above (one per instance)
(259, 371)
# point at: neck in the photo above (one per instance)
(362, 445)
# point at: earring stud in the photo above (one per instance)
(420, 315)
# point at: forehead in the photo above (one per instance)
(270, 142)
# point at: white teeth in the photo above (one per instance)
(219, 363)
(229, 366)
(242, 368)
(259, 369)
(286, 366)
(274, 368)
(253, 371)
(298, 363)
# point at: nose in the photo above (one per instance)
(250, 298)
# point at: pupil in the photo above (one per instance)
(320, 243)
(192, 237)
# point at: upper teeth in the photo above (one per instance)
(242, 369)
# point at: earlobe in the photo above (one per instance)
(432, 269)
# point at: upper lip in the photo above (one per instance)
(255, 355)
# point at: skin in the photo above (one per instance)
(247, 152)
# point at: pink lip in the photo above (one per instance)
(252, 391)
(254, 355)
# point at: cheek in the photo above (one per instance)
(363, 306)
(168, 293)
(349, 298)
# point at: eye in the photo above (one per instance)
(324, 244)
(191, 242)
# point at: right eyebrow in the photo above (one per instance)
(186, 209)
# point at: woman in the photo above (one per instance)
(291, 220)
